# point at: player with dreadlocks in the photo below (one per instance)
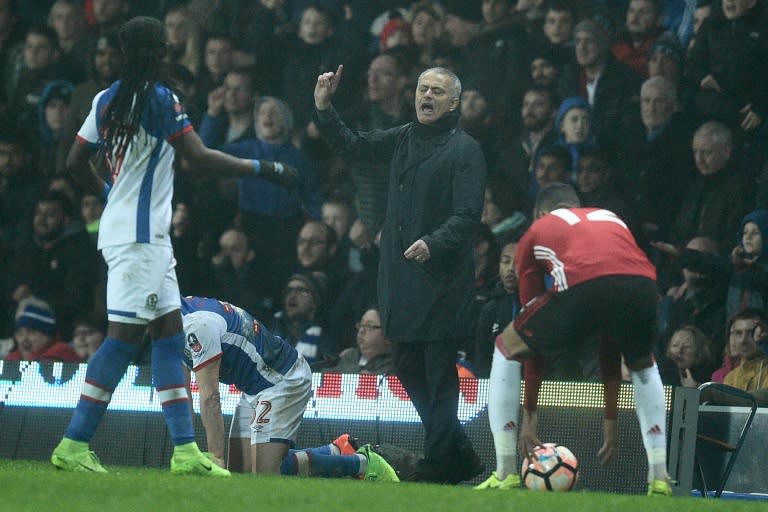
(137, 125)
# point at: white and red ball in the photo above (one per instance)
(554, 468)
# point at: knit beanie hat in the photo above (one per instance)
(759, 217)
(569, 104)
(392, 26)
(599, 32)
(37, 318)
(668, 45)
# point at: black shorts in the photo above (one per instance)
(623, 307)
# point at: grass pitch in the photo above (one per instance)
(36, 486)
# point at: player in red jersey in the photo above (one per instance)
(581, 272)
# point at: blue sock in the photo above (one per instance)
(319, 450)
(168, 378)
(306, 463)
(104, 372)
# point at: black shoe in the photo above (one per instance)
(468, 464)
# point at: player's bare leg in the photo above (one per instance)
(267, 457)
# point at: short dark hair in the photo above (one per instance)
(548, 92)
(554, 196)
(54, 196)
(560, 6)
(559, 152)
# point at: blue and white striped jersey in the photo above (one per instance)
(252, 358)
(138, 207)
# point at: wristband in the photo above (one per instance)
(256, 167)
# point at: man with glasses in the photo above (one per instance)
(317, 253)
(373, 353)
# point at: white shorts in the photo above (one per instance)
(141, 282)
(274, 415)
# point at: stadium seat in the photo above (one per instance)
(713, 393)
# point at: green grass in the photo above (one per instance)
(37, 486)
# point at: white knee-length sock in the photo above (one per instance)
(652, 415)
(504, 411)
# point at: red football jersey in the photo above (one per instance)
(573, 245)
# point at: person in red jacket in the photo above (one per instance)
(36, 338)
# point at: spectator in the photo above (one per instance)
(595, 186)
(218, 51)
(299, 321)
(502, 307)
(55, 104)
(87, 335)
(702, 11)
(20, 185)
(192, 272)
(317, 253)
(556, 35)
(236, 276)
(699, 300)
(479, 118)
(642, 29)
(395, 33)
(183, 32)
(105, 65)
(666, 58)
(230, 114)
(747, 330)
(554, 166)
(574, 125)
(107, 15)
(33, 65)
(746, 266)
(708, 207)
(321, 42)
(516, 164)
(688, 360)
(339, 213)
(252, 27)
(67, 18)
(729, 64)
(272, 214)
(91, 208)
(56, 261)
(11, 34)
(545, 69)
(37, 339)
(493, 51)
(427, 25)
(373, 353)
(437, 176)
(659, 165)
(498, 213)
(610, 87)
(731, 351)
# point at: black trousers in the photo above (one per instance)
(428, 372)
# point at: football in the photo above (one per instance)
(554, 468)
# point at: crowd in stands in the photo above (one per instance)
(653, 109)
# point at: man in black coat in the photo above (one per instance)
(426, 273)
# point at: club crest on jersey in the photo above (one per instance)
(152, 301)
(194, 343)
